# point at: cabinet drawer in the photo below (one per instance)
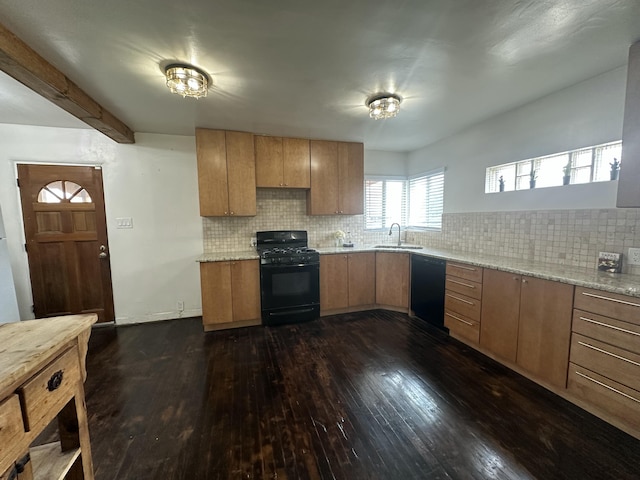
(464, 286)
(462, 304)
(468, 272)
(45, 394)
(612, 362)
(11, 430)
(621, 334)
(611, 397)
(461, 326)
(620, 307)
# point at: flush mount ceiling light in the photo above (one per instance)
(186, 80)
(383, 105)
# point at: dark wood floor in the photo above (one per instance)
(374, 395)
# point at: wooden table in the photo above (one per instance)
(42, 372)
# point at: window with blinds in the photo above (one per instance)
(585, 165)
(414, 202)
(385, 202)
(426, 200)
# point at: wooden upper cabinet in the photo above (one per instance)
(282, 162)
(351, 178)
(629, 178)
(226, 173)
(337, 178)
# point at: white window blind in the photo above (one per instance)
(426, 200)
(385, 202)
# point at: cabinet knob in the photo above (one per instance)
(226, 213)
(281, 185)
(524, 280)
(231, 213)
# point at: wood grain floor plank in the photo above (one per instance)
(371, 395)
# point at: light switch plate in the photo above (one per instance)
(634, 256)
(124, 222)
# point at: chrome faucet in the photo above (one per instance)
(391, 229)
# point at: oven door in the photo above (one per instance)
(287, 289)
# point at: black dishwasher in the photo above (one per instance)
(427, 289)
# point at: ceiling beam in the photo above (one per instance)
(21, 62)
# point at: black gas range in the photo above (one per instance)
(289, 277)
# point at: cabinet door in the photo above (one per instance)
(351, 178)
(241, 173)
(296, 161)
(500, 311)
(215, 282)
(544, 329)
(392, 279)
(245, 283)
(334, 289)
(322, 198)
(362, 279)
(628, 185)
(269, 166)
(211, 155)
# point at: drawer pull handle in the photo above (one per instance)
(590, 320)
(462, 267)
(460, 299)
(615, 390)
(459, 319)
(55, 381)
(462, 283)
(602, 297)
(609, 353)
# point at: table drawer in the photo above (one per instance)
(45, 394)
(620, 307)
(609, 396)
(468, 272)
(466, 287)
(461, 326)
(12, 433)
(621, 334)
(462, 304)
(612, 362)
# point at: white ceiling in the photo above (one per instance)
(303, 68)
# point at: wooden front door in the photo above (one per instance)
(66, 232)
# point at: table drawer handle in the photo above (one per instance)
(602, 297)
(460, 299)
(615, 390)
(55, 381)
(459, 319)
(609, 353)
(613, 327)
(462, 267)
(462, 283)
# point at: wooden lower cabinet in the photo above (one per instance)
(527, 321)
(347, 281)
(463, 301)
(230, 294)
(500, 311)
(604, 368)
(392, 280)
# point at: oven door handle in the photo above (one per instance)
(288, 265)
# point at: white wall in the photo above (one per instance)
(377, 162)
(585, 114)
(154, 181)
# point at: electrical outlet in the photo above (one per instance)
(634, 256)
(180, 306)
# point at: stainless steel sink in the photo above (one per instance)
(401, 247)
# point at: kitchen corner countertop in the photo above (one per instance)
(621, 283)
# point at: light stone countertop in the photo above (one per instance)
(621, 283)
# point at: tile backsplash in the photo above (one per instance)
(571, 237)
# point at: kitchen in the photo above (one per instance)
(154, 182)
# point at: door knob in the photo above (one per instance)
(103, 252)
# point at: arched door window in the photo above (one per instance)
(63, 191)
